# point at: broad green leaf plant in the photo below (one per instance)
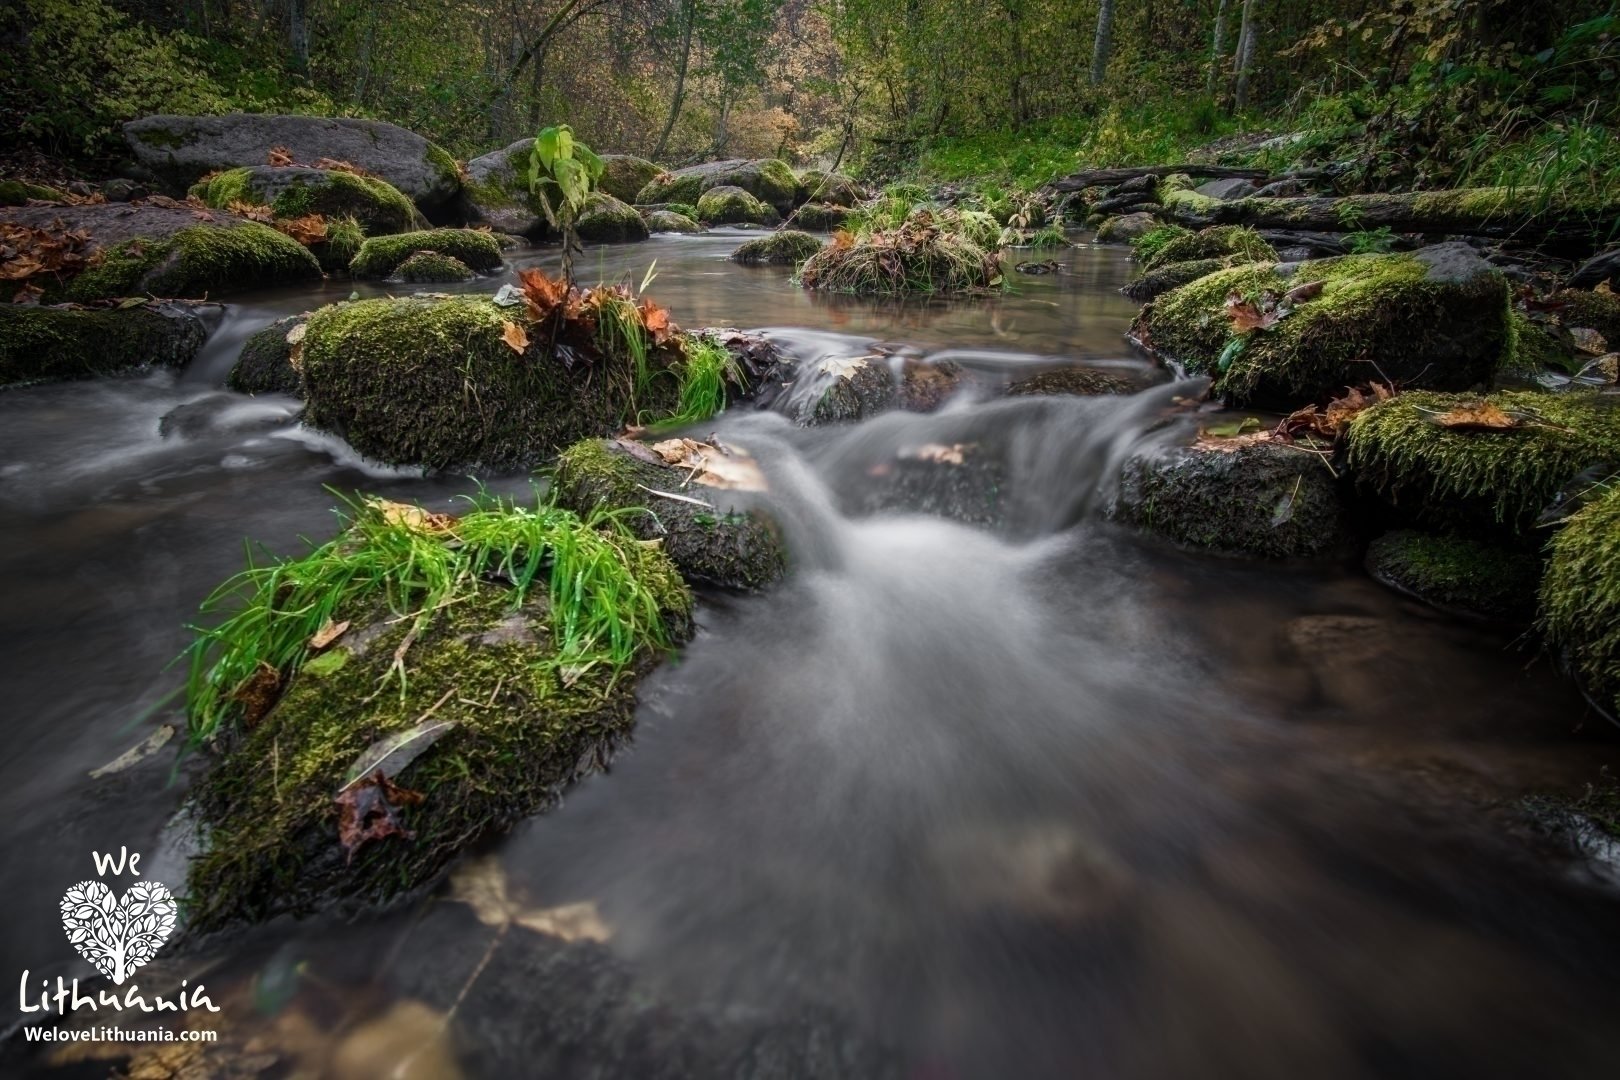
(562, 172)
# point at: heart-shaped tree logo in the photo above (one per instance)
(118, 936)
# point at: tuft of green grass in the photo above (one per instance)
(1147, 246)
(600, 612)
(709, 367)
(620, 331)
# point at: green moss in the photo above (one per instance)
(665, 221)
(1156, 283)
(380, 256)
(787, 247)
(1187, 200)
(1580, 597)
(433, 382)
(1150, 243)
(1180, 181)
(687, 210)
(46, 344)
(776, 184)
(1211, 243)
(224, 188)
(1535, 348)
(624, 175)
(1457, 574)
(291, 193)
(1418, 327)
(444, 165)
(671, 188)
(731, 206)
(429, 266)
(901, 262)
(198, 262)
(527, 697)
(1447, 475)
(714, 544)
(18, 192)
(606, 220)
(1592, 310)
(265, 364)
(344, 236)
(820, 217)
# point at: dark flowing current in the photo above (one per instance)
(1053, 800)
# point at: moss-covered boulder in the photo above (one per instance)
(496, 192)
(786, 247)
(624, 175)
(430, 267)
(727, 541)
(434, 382)
(47, 344)
(1581, 308)
(1435, 319)
(766, 179)
(733, 206)
(183, 149)
(18, 192)
(606, 220)
(667, 221)
(437, 708)
(1213, 243)
(1236, 497)
(294, 191)
(380, 256)
(1421, 454)
(832, 189)
(819, 217)
(266, 365)
(1156, 283)
(1126, 227)
(1580, 597)
(1458, 575)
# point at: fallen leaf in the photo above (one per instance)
(369, 810)
(514, 336)
(281, 156)
(1232, 429)
(712, 465)
(252, 211)
(657, 321)
(1258, 314)
(1310, 290)
(391, 754)
(1480, 416)
(257, 693)
(28, 294)
(329, 632)
(307, 230)
(140, 751)
(938, 453)
(843, 367)
(327, 663)
(1233, 443)
(543, 293)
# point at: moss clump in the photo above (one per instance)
(533, 679)
(344, 235)
(1126, 227)
(1211, 243)
(432, 382)
(821, 217)
(1262, 500)
(445, 165)
(380, 256)
(294, 191)
(910, 260)
(672, 188)
(1186, 200)
(1438, 319)
(18, 192)
(1536, 348)
(606, 220)
(265, 365)
(667, 221)
(47, 344)
(732, 206)
(1150, 243)
(427, 267)
(832, 189)
(787, 247)
(1592, 310)
(1460, 476)
(624, 175)
(198, 262)
(1580, 597)
(1457, 574)
(687, 210)
(1156, 283)
(725, 543)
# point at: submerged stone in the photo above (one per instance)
(428, 267)
(667, 221)
(42, 343)
(1458, 575)
(1080, 381)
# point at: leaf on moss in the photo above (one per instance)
(369, 810)
(1232, 429)
(515, 337)
(411, 517)
(329, 632)
(391, 754)
(1480, 416)
(712, 465)
(542, 292)
(257, 693)
(307, 230)
(327, 663)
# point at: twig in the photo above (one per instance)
(677, 498)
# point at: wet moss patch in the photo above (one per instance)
(1580, 597)
(48, 344)
(18, 192)
(786, 247)
(198, 262)
(380, 256)
(606, 220)
(1211, 243)
(430, 266)
(266, 365)
(294, 191)
(1457, 574)
(733, 206)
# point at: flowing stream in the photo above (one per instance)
(1045, 800)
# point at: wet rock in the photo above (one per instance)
(121, 190)
(1434, 319)
(430, 267)
(1221, 241)
(497, 193)
(963, 482)
(381, 256)
(1604, 266)
(847, 390)
(733, 206)
(831, 189)
(265, 366)
(606, 220)
(1071, 380)
(181, 149)
(43, 343)
(1283, 189)
(1125, 228)
(624, 175)
(785, 247)
(163, 251)
(218, 414)
(1458, 575)
(766, 179)
(667, 221)
(1258, 499)
(819, 217)
(1227, 189)
(1158, 282)
(294, 191)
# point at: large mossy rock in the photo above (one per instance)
(497, 192)
(786, 247)
(182, 149)
(668, 221)
(432, 268)
(291, 813)
(1458, 575)
(265, 365)
(168, 252)
(766, 179)
(1436, 319)
(1156, 283)
(1258, 499)
(293, 191)
(1403, 452)
(624, 175)
(1126, 227)
(381, 256)
(820, 217)
(433, 382)
(18, 192)
(47, 344)
(831, 189)
(607, 220)
(1580, 597)
(733, 206)
(727, 542)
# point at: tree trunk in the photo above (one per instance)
(1217, 48)
(298, 35)
(1104, 43)
(1245, 55)
(688, 17)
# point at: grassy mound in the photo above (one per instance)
(295, 191)
(918, 257)
(41, 344)
(1399, 451)
(1580, 597)
(380, 256)
(788, 247)
(430, 266)
(196, 263)
(524, 681)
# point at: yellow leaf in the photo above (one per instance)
(515, 336)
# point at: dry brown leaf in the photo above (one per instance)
(1481, 416)
(281, 156)
(369, 810)
(1230, 443)
(939, 453)
(657, 321)
(307, 230)
(842, 367)
(411, 517)
(257, 693)
(1249, 315)
(544, 293)
(711, 465)
(515, 337)
(1310, 290)
(329, 632)
(339, 165)
(252, 211)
